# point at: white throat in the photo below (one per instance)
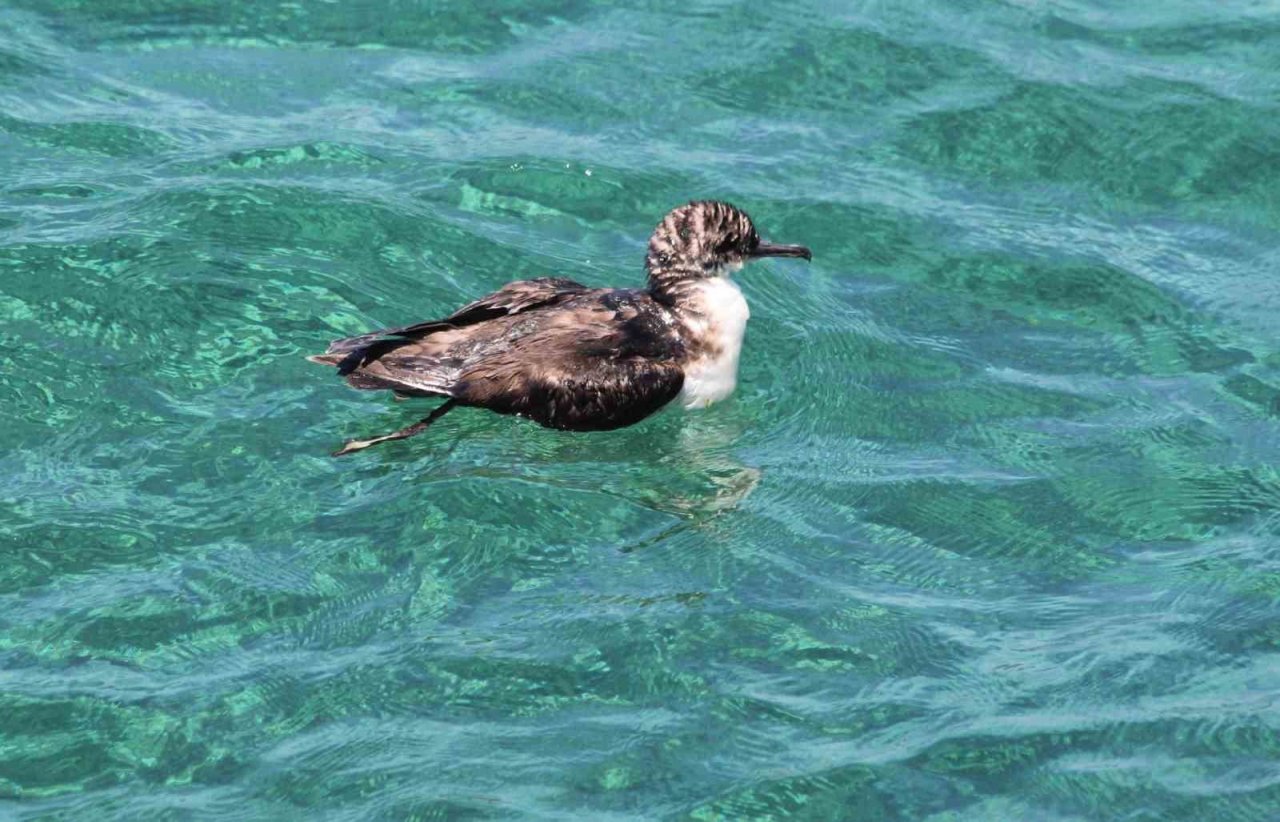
(717, 312)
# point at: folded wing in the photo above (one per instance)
(352, 355)
(591, 369)
(548, 349)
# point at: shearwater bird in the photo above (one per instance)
(578, 358)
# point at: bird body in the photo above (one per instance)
(578, 358)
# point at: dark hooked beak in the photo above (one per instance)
(771, 250)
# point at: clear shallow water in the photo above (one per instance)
(988, 532)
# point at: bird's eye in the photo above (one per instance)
(726, 245)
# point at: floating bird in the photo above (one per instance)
(578, 358)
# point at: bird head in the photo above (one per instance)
(708, 239)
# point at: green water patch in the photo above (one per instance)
(16, 68)
(449, 27)
(319, 153)
(1183, 39)
(865, 791)
(1148, 142)
(846, 70)
(111, 139)
(994, 523)
(535, 189)
(59, 191)
(1150, 328)
(560, 100)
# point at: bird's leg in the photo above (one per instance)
(404, 433)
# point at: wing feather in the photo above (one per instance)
(586, 373)
(351, 353)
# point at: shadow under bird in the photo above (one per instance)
(578, 358)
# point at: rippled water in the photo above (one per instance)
(988, 532)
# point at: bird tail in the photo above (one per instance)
(432, 377)
(356, 359)
(350, 353)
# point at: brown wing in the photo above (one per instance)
(586, 368)
(350, 353)
(517, 296)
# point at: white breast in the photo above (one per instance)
(718, 310)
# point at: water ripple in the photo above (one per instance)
(989, 530)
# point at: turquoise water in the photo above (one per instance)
(989, 531)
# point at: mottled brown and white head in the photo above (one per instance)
(707, 238)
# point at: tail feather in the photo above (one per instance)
(412, 384)
(350, 353)
(362, 355)
(360, 362)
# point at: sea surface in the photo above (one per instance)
(990, 530)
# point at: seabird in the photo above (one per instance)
(578, 358)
